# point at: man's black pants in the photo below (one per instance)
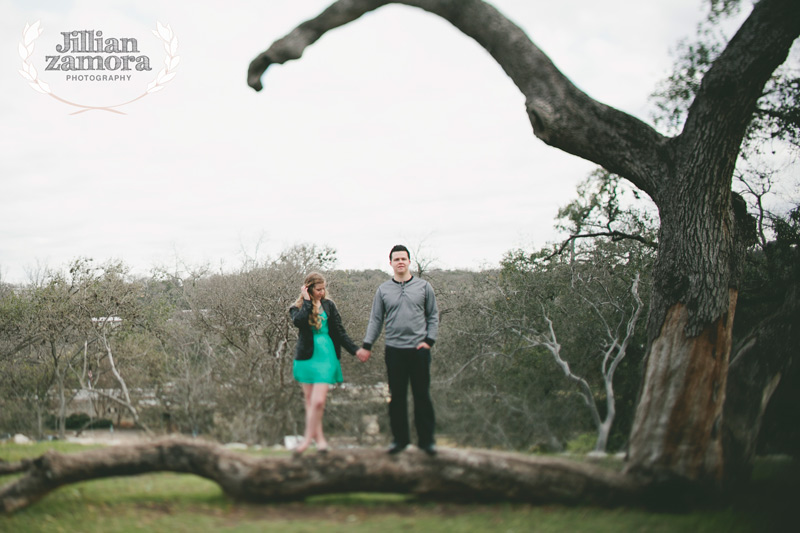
(404, 366)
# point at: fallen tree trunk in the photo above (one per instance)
(460, 475)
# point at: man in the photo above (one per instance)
(407, 305)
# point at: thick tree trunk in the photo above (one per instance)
(451, 475)
(676, 430)
(757, 366)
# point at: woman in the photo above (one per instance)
(316, 360)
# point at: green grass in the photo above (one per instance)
(186, 503)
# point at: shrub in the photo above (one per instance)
(582, 444)
(77, 420)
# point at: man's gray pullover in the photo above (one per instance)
(409, 310)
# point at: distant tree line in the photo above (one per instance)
(543, 353)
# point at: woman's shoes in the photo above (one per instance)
(322, 450)
(297, 452)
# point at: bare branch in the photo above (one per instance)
(551, 343)
(118, 377)
(616, 236)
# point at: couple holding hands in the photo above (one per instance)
(406, 305)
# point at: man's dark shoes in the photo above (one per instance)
(429, 449)
(396, 448)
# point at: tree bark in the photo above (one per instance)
(677, 430)
(676, 427)
(453, 475)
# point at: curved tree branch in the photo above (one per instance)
(33, 339)
(561, 115)
(550, 342)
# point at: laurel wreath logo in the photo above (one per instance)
(164, 76)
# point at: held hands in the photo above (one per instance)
(364, 354)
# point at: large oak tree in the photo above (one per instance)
(676, 432)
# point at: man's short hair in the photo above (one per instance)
(399, 248)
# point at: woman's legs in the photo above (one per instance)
(315, 396)
(319, 395)
(307, 436)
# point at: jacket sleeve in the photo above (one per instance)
(300, 315)
(375, 321)
(344, 338)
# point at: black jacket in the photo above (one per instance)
(305, 338)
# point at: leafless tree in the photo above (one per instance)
(614, 351)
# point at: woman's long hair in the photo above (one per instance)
(314, 320)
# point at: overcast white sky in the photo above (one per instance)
(394, 128)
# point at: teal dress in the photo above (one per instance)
(323, 367)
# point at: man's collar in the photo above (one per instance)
(401, 282)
